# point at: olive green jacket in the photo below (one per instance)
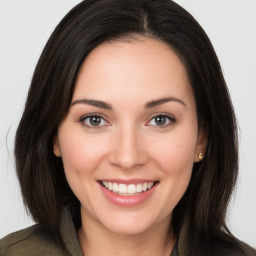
(32, 242)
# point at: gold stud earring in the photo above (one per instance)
(200, 156)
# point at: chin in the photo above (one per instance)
(128, 230)
(129, 224)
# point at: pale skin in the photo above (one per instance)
(147, 128)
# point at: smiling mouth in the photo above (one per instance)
(128, 189)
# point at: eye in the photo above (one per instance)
(161, 121)
(93, 121)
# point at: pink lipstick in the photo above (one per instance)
(128, 193)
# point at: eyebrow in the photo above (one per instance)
(158, 102)
(104, 105)
(95, 103)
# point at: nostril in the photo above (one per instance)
(127, 160)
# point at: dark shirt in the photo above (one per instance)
(32, 242)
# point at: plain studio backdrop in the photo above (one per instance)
(26, 25)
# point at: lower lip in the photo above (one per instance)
(127, 201)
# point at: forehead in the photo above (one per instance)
(144, 67)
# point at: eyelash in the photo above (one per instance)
(83, 121)
(169, 118)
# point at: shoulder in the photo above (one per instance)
(247, 250)
(235, 248)
(30, 241)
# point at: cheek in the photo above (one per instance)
(174, 153)
(174, 156)
(81, 154)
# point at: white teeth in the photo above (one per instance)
(150, 185)
(115, 187)
(139, 188)
(131, 189)
(110, 186)
(122, 188)
(144, 186)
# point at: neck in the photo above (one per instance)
(96, 240)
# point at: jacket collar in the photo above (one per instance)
(68, 234)
(70, 238)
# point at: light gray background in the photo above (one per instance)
(25, 26)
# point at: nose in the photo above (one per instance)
(127, 149)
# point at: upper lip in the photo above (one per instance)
(129, 181)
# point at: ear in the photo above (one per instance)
(56, 147)
(201, 146)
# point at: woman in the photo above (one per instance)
(102, 176)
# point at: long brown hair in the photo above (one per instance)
(90, 23)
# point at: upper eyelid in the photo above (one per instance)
(84, 117)
(172, 121)
(161, 114)
(92, 114)
(149, 118)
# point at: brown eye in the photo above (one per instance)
(93, 121)
(161, 120)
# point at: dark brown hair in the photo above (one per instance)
(90, 23)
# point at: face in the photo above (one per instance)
(130, 138)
